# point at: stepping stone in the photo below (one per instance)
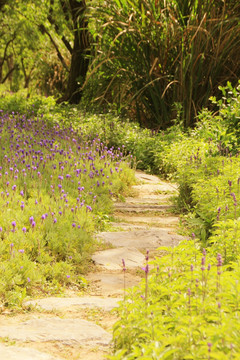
(140, 175)
(20, 353)
(111, 284)
(141, 239)
(112, 259)
(130, 227)
(151, 199)
(66, 331)
(156, 220)
(155, 188)
(139, 208)
(56, 303)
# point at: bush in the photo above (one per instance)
(153, 54)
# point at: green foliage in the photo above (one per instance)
(191, 311)
(187, 307)
(153, 54)
(31, 45)
(229, 110)
(56, 184)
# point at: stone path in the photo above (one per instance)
(79, 327)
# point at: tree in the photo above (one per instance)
(51, 44)
(80, 51)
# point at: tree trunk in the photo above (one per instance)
(81, 48)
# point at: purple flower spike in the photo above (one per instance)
(147, 255)
(13, 224)
(146, 269)
(24, 229)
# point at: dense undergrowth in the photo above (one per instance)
(56, 185)
(187, 307)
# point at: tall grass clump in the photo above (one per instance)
(152, 56)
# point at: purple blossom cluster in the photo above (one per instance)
(39, 161)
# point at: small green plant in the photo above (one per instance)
(192, 298)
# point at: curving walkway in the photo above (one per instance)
(79, 327)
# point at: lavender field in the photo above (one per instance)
(56, 184)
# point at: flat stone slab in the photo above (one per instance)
(130, 227)
(141, 239)
(56, 303)
(140, 208)
(155, 188)
(150, 200)
(144, 219)
(111, 284)
(20, 353)
(147, 178)
(112, 259)
(67, 331)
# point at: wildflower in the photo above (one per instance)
(146, 269)
(147, 255)
(24, 229)
(124, 266)
(209, 346)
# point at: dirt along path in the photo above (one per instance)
(79, 326)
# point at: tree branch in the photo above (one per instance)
(5, 50)
(8, 74)
(44, 31)
(56, 27)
